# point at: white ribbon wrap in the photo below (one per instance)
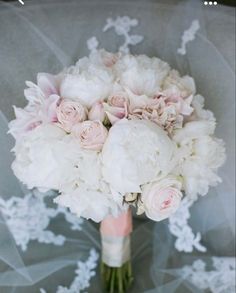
(115, 250)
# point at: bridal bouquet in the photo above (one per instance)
(116, 131)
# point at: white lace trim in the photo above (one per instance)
(92, 44)
(84, 272)
(28, 219)
(122, 26)
(218, 278)
(178, 224)
(188, 35)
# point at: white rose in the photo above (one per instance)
(87, 83)
(141, 74)
(162, 198)
(135, 152)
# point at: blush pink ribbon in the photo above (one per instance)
(115, 236)
(118, 227)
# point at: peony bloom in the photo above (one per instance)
(141, 74)
(135, 152)
(178, 86)
(200, 154)
(97, 112)
(87, 82)
(36, 163)
(48, 158)
(70, 113)
(162, 198)
(199, 112)
(91, 135)
(89, 203)
(193, 130)
(104, 58)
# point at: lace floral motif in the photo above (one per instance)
(188, 35)
(220, 279)
(28, 218)
(84, 272)
(178, 224)
(122, 26)
(92, 44)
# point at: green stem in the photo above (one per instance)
(117, 279)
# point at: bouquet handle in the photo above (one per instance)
(116, 267)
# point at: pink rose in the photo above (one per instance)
(161, 199)
(97, 112)
(91, 134)
(118, 100)
(70, 113)
(116, 107)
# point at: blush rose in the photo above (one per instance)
(161, 199)
(91, 134)
(70, 113)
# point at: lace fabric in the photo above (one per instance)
(218, 279)
(28, 219)
(44, 247)
(84, 272)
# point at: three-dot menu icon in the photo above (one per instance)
(210, 3)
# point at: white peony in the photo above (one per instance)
(83, 166)
(136, 152)
(200, 155)
(89, 203)
(47, 158)
(141, 74)
(199, 111)
(104, 58)
(87, 83)
(193, 130)
(175, 84)
(36, 164)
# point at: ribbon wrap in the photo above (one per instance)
(115, 236)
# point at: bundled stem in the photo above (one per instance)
(117, 280)
(116, 271)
